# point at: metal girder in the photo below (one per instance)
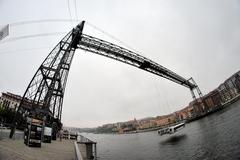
(116, 52)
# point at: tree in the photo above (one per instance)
(6, 115)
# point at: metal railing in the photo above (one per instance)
(78, 155)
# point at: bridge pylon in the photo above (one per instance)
(44, 94)
(195, 88)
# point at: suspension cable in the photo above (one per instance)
(75, 4)
(113, 37)
(69, 11)
(42, 21)
(32, 36)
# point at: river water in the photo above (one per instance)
(216, 136)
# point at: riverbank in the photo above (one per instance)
(216, 109)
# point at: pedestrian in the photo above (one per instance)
(61, 134)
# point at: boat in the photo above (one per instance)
(171, 129)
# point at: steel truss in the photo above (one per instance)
(43, 97)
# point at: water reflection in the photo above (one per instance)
(173, 140)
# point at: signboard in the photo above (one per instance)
(47, 131)
(4, 32)
(37, 121)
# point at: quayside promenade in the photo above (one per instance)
(17, 150)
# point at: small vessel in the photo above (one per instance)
(171, 129)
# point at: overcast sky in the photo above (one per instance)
(194, 38)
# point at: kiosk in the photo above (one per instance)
(33, 132)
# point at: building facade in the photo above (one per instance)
(10, 101)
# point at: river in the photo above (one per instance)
(216, 136)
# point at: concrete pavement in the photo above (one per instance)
(17, 150)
